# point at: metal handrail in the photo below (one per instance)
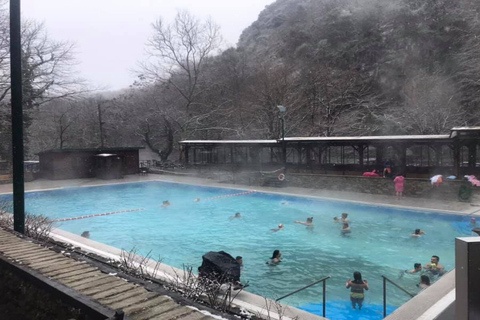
(308, 286)
(385, 279)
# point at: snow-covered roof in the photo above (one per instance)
(229, 141)
(465, 129)
(361, 138)
(105, 155)
(430, 137)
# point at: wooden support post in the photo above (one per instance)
(379, 150)
(456, 158)
(403, 158)
(187, 149)
(360, 155)
(472, 154)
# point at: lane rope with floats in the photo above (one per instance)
(230, 195)
(98, 215)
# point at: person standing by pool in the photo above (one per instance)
(276, 258)
(357, 288)
(399, 182)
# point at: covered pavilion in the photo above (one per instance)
(414, 155)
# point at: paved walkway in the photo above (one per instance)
(110, 291)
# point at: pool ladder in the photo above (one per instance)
(385, 279)
(323, 280)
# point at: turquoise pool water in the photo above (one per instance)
(380, 242)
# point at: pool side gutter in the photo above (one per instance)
(253, 303)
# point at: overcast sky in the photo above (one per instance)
(110, 35)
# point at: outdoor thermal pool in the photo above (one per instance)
(379, 244)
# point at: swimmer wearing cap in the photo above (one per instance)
(280, 227)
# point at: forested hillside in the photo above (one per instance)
(340, 67)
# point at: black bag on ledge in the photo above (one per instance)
(219, 266)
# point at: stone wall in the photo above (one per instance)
(421, 188)
(414, 187)
(20, 300)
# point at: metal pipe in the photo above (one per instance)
(324, 297)
(303, 288)
(17, 117)
(396, 285)
(384, 297)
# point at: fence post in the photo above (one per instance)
(467, 278)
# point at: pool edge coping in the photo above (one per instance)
(252, 302)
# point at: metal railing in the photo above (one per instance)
(385, 279)
(323, 280)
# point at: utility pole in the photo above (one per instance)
(283, 111)
(17, 117)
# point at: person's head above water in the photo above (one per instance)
(344, 215)
(310, 219)
(417, 266)
(335, 219)
(280, 225)
(276, 254)
(425, 279)
(239, 260)
(237, 215)
(357, 277)
(417, 231)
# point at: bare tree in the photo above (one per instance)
(431, 105)
(179, 53)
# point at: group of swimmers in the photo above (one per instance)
(428, 271)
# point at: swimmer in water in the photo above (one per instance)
(336, 219)
(276, 258)
(417, 267)
(417, 233)
(196, 200)
(165, 204)
(309, 222)
(345, 228)
(280, 227)
(236, 216)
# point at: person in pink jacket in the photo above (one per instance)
(399, 183)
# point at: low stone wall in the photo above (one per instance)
(414, 187)
(20, 300)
